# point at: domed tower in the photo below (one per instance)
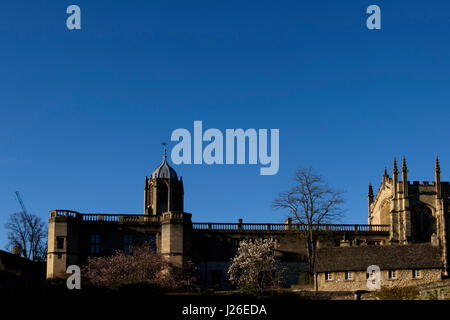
(163, 191)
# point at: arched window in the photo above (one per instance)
(422, 224)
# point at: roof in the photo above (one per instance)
(164, 170)
(17, 264)
(387, 257)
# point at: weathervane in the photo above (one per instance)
(165, 152)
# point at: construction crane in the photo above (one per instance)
(21, 202)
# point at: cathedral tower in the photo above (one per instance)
(415, 211)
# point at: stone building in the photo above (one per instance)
(74, 236)
(416, 212)
(345, 269)
(416, 248)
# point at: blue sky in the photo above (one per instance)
(83, 113)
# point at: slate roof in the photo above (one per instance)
(387, 257)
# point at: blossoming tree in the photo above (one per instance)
(254, 267)
(142, 266)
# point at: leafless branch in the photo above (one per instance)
(310, 202)
(27, 231)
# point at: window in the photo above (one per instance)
(127, 243)
(348, 275)
(416, 274)
(371, 275)
(422, 223)
(392, 274)
(152, 242)
(60, 242)
(95, 243)
(328, 276)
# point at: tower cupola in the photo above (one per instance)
(164, 171)
(163, 191)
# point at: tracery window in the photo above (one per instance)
(421, 223)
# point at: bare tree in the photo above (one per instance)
(310, 203)
(27, 231)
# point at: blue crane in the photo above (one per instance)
(21, 202)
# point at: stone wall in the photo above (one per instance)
(359, 281)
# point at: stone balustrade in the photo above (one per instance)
(282, 227)
(215, 226)
(103, 217)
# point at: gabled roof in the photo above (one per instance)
(387, 257)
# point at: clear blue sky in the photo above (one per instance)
(83, 113)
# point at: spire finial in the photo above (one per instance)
(395, 170)
(370, 193)
(404, 167)
(385, 172)
(165, 150)
(438, 167)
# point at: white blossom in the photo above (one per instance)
(254, 268)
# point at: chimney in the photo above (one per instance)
(17, 250)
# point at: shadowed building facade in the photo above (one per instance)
(74, 236)
(18, 273)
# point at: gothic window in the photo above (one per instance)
(162, 197)
(421, 223)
